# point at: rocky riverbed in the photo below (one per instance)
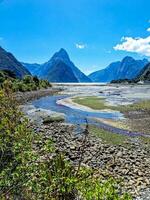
(24, 97)
(131, 164)
(115, 95)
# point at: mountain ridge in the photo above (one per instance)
(59, 58)
(128, 68)
(144, 75)
(8, 62)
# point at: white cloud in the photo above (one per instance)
(80, 46)
(148, 29)
(135, 45)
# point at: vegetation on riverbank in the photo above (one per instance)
(28, 83)
(137, 114)
(108, 137)
(143, 106)
(31, 168)
(94, 102)
(98, 103)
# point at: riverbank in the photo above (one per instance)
(24, 97)
(130, 164)
(132, 100)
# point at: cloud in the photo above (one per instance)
(80, 46)
(135, 45)
(148, 29)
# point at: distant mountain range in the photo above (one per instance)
(58, 69)
(61, 69)
(142, 77)
(128, 68)
(33, 68)
(9, 63)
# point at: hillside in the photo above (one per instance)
(59, 60)
(9, 63)
(128, 68)
(60, 72)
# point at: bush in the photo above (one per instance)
(28, 79)
(31, 168)
(28, 83)
(36, 80)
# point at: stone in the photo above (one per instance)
(119, 154)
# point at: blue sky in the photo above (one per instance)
(94, 32)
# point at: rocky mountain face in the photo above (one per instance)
(9, 63)
(59, 61)
(144, 75)
(128, 68)
(60, 73)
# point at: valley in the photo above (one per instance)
(131, 100)
(112, 146)
(101, 128)
(75, 100)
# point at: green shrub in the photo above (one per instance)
(36, 80)
(31, 168)
(28, 83)
(44, 84)
(28, 79)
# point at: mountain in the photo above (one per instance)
(33, 68)
(128, 68)
(58, 60)
(60, 72)
(144, 74)
(9, 63)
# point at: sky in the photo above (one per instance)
(94, 32)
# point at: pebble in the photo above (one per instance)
(130, 165)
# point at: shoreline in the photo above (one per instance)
(25, 97)
(132, 164)
(69, 103)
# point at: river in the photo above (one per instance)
(78, 116)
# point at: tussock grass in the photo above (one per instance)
(93, 102)
(98, 103)
(139, 106)
(108, 137)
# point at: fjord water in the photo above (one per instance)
(78, 116)
(74, 116)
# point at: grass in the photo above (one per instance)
(98, 103)
(108, 137)
(117, 139)
(139, 106)
(138, 122)
(145, 141)
(31, 167)
(93, 102)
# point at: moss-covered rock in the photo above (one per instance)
(53, 118)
